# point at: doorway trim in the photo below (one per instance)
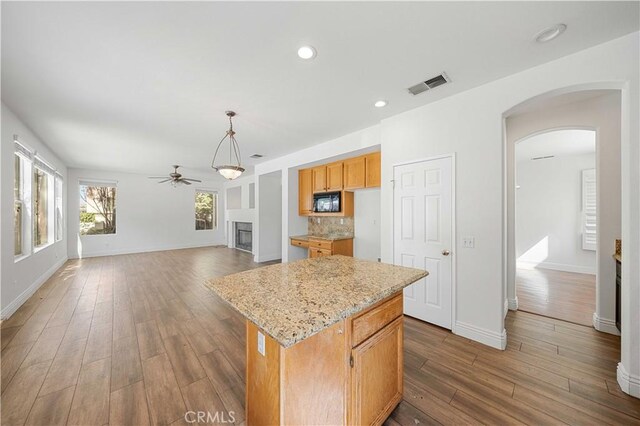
(454, 244)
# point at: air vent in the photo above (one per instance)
(543, 158)
(434, 82)
(257, 156)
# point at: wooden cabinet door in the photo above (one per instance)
(354, 173)
(376, 376)
(372, 170)
(319, 179)
(334, 176)
(305, 192)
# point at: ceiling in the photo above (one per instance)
(559, 143)
(138, 86)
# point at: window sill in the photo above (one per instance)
(20, 257)
(42, 247)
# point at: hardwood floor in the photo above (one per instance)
(563, 295)
(136, 339)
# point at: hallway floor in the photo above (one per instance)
(563, 295)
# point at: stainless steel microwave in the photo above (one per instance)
(328, 202)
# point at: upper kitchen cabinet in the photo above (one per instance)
(319, 178)
(305, 188)
(372, 169)
(354, 173)
(334, 176)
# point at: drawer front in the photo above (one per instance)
(300, 243)
(326, 245)
(371, 321)
(316, 252)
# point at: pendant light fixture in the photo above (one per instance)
(233, 169)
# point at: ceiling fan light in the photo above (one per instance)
(230, 172)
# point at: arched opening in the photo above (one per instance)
(604, 108)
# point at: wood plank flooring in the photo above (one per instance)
(563, 295)
(136, 339)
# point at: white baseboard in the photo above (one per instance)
(25, 295)
(482, 335)
(146, 250)
(556, 267)
(267, 257)
(513, 304)
(605, 325)
(629, 383)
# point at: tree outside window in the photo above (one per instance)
(206, 215)
(17, 206)
(41, 207)
(97, 209)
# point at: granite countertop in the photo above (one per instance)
(293, 301)
(329, 237)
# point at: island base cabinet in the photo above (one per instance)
(376, 378)
(332, 377)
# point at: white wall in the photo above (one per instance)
(149, 216)
(268, 237)
(366, 243)
(20, 280)
(549, 214)
(602, 113)
(471, 125)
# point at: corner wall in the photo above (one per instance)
(150, 216)
(19, 280)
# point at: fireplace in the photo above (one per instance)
(244, 239)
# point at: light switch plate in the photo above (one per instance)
(468, 242)
(261, 343)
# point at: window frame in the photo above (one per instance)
(49, 212)
(59, 228)
(98, 183)
(214, 215)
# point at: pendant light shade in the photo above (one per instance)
(233, 169)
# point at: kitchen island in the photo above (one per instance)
(324, 339)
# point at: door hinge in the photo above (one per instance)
(351, 361)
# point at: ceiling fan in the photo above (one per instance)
(175, 178)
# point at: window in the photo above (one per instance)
(41, 207)
(58, 213)
(589, 228)
(97, 208)
(18, 206)
(206, 210)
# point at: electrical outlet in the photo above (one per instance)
(341, 221)
(468, 242)
(261, 343)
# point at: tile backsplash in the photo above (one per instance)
(330, 226)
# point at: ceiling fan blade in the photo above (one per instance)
(185, 182)
(157, 177)
(163, 181)
(192, 180)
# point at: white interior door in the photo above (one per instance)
(422, 236)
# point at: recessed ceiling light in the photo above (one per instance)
(380, 104)
(307, 52)
(550, 33)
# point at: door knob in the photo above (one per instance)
(446, 252)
